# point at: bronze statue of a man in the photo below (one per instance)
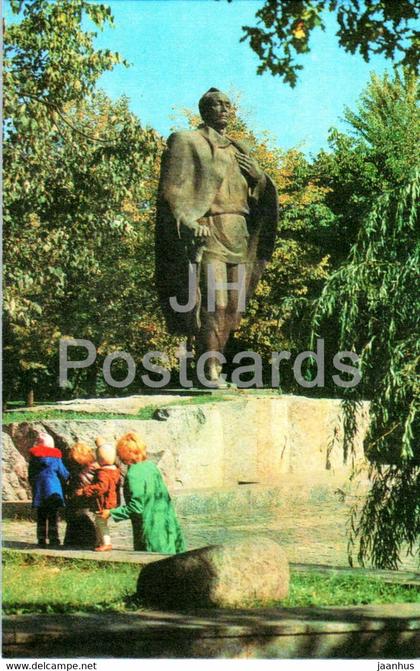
(217, 216)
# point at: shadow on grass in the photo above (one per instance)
(63, 608)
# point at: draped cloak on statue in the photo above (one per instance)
(191, 175)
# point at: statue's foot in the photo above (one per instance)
(218, 383)
(214, 375)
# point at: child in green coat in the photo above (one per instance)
(148, 504)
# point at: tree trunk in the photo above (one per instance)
(30, 399)
(91, 380)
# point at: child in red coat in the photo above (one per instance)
(104, 491)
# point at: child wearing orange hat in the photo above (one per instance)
(148, 504)
(81, 527)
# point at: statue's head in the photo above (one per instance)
(215, 108)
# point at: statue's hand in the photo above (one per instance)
(198, 230)
(250, 167)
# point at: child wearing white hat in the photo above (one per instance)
(47, 475)
(104, 491)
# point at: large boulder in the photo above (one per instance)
(15, 473)
(241, 573)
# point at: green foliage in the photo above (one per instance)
(17, 417)
(388, 522)
(80, 182)
(375, 27)
(372, 300)
(375, 156)
(49, 60)
(374, 296)
(387, 121)
(277, 317)
(79, 237)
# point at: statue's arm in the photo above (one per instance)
(253, 172)
(178, 182)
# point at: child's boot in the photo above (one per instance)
(41, 528)
(53, 538)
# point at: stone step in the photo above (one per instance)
(142, 558)
(116, 555)
(365, 632)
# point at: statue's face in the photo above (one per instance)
(218, 110)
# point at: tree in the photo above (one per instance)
(278, 315)
(79, 264)
(372, 27)
(374, 155)
(372, 300)
(49, 61)
(80, 182)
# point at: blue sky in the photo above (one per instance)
(180, 48)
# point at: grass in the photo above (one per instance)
(18, 416)
(316, 589)
(54, 585)
(44, 585)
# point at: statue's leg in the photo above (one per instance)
(212, 335)
(234, 309)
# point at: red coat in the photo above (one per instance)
(104, 488)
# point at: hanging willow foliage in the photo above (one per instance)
(372, 299)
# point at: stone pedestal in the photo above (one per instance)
(249, 439)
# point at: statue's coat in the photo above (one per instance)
(190, 178)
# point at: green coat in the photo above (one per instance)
(148, 501)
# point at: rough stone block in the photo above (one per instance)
(240, 573)
(15, 473)
(261, 440)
